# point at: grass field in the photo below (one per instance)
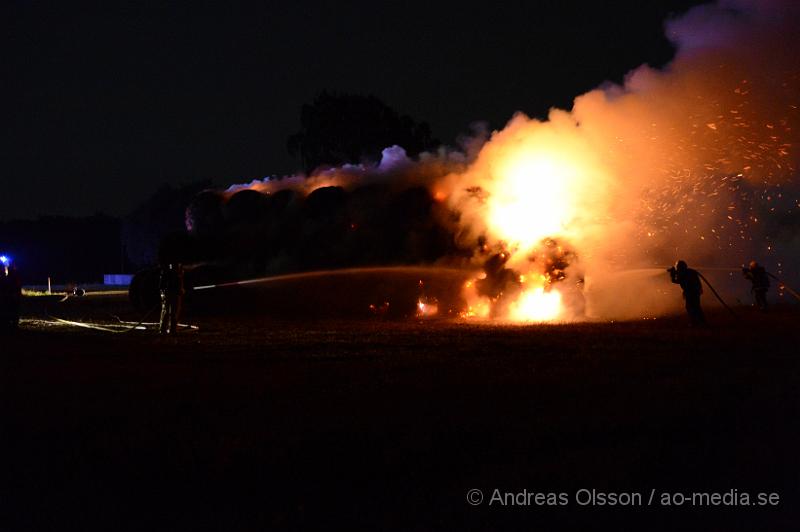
(266, 424)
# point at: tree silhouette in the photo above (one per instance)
(340, 128)
(162, 214)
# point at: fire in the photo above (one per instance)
(479, 310)
(536, 305)
(536, 301)
(534, 200)
(427, 309)
(539, 180)
(698, 160)
(533, 187)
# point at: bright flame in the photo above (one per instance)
(534, 201)
(534, 183)
(536, 305)
(477, 306)
(689, 161)
(479, 310)
(427, 310)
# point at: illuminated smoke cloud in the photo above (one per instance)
(696, 161)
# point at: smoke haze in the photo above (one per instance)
(696, 161)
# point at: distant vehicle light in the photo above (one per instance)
(5, 259)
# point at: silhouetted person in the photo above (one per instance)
(757, 275)
(10, 296)
(171, 287)
(689, 280)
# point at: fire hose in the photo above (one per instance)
(100, 328)
(785, 286)
(147, 315)
(133, 327)
(717, 295)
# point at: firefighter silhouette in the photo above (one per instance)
(756, 274)
(689, 280)
(171, 287)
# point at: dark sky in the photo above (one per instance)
(106, 104)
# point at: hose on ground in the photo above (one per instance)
(717, 295)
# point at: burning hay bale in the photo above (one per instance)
(699, 159)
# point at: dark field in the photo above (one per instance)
(262, 424)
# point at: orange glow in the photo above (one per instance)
(537, 306)
(427, 309)
(537, 183)
(562, 219)
(534, 200)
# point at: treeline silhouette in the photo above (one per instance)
(339, 128)
(250, 233)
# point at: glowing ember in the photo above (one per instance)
(427, 309)
(379, 310)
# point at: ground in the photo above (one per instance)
(260, 423)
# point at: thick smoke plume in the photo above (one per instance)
(575, 215)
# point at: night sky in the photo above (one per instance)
(107, 104)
